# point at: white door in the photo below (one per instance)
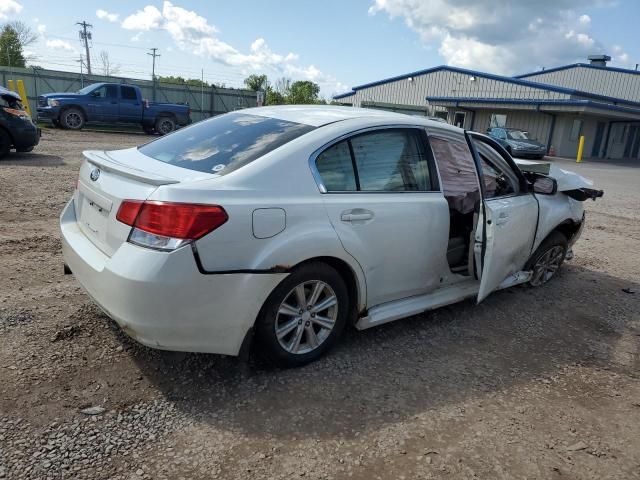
(383, 201)
(507, 221)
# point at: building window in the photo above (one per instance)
(576, 129)
(459, 119)
(498, 120)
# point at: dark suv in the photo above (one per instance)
(17, 129)
(518, 142)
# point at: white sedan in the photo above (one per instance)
(275, 227)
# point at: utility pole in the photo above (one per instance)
(153, 70)
(85, 36)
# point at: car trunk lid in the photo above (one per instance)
(108, 178)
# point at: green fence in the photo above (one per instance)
(204, 102)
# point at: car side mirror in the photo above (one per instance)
(545, 185)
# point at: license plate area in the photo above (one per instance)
(94, 216)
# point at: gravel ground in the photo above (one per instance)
(532, 383)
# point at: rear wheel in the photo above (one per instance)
(72, 118)
(304, 316)
(165, 125)
(547, 259)
(24, 149)
(5, 143)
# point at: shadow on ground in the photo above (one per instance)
(32, 159)
(390, 373)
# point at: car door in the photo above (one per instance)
(130, 105)
(381, 194)
(103, 105)
(508, 217)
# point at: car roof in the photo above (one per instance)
(319, 115)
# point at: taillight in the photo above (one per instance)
(168, 225)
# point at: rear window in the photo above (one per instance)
(224, 143)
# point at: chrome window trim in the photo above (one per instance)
(318, 178)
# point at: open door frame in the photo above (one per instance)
(484, 220)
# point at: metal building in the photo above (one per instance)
(556, 106)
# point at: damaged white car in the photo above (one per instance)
(277, 226)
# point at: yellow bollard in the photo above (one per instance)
(23, 95)
(10, 85)
(580, 148)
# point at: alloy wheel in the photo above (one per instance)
(166, 127)
(73, 120)
(306, 317)
(547, 265)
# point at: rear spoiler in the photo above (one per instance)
(102, 159)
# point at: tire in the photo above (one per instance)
(300, 331)
(72, 119)
(547, 259)
(24, 149)
(5, 143)
(165, 125)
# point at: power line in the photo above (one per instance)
(85, 37)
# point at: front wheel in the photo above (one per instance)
(72, 118)
(547, 259)
(24, 149)
(304, 316)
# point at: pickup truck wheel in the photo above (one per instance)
(547, 259)
(72, 119)
(5, 143)
(165, 125)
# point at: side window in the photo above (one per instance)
(100, 92)
(498, 177)
(457, 172)
(391, 160)
(128, 93)
(112, 91)
(336, 168)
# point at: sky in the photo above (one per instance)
(337, 44)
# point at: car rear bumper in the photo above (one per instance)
(161, 299)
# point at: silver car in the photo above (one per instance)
(276, 227)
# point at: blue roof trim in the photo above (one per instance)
(574, 65)
(500, 78)
(345, 94)
(516, 101)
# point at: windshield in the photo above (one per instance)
(518, 135)
(87, 89)
(224, 143)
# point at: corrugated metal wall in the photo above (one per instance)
(204, 103)
(445, 83)
(593, 80)
(536, 123)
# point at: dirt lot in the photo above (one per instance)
(530, 384)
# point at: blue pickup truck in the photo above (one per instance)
(111, 103)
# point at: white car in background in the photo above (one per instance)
(277, 226)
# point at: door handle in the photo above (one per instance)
(356, 215)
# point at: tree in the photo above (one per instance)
(256, 82)
(303, 92)
(11, 48)
(108, 68)
(26, 36)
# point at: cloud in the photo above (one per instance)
(41, 28)
(60, 44)
(487, 35)
(193, 33)
(104, 15)
(9, 7)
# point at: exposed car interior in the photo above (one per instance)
(461, 190)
